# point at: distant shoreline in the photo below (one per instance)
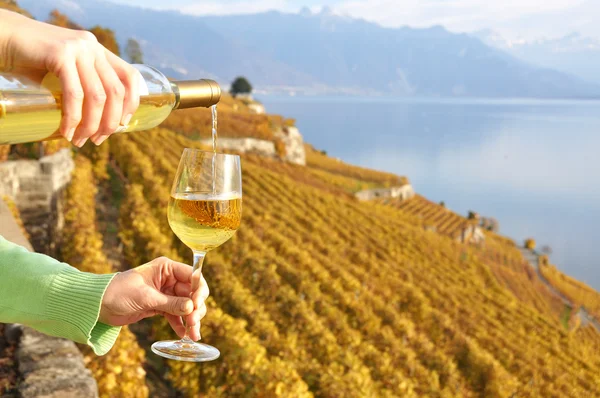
(427, 99)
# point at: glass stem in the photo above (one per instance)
(196, 278)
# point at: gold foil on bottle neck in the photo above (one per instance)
(196, 93)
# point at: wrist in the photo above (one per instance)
(107, 298)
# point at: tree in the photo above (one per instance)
(530, 244)
(12, 5)
(240, 86)
(106, 37)
(490, 224)
(134, 52)
(473, 215)
(59, 19)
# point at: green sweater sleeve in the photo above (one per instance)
(53, 297)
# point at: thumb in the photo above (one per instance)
(173, 305)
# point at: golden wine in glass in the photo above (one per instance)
(205, 211)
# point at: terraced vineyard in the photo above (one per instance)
(433, 216)
(316, 160)
(517, 275)
(319, 294)
(577, 292)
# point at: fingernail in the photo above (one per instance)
(184, 306)
(70, 134)
(101, 139)
(80, 142)
(127, 120)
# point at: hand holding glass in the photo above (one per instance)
(205, 210)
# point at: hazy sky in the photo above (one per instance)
(512, 18)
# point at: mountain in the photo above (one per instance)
(349, 52)
(178, 44)
(322, 52)
(574, 53)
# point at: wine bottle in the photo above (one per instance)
(31, 112)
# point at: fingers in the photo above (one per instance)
(182, 289)
(170, 273)
(201, 294)
(193, 322)
(93, 100)
(171, 304)
(177, 281)
(196, 280)
(194, 332)
(176, 324)
(179, 271)
(100, 90)
(130, 78)
(113, 108)
(194, 318)
(199, 297)
(72, 98)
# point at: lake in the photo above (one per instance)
(534, 165)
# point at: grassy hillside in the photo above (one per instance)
(341, 298)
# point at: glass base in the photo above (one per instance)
(185, 351)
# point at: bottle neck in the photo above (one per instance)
(195, 93)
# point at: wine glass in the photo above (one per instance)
(205, 210)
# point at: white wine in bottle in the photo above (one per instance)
(204, 221)
(31, 112)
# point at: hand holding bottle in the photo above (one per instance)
(100, 90)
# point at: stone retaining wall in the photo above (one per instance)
(37, 187)
(49, 367)
(294, 145)
(402, 192)
(245, 145)
(289, 136)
